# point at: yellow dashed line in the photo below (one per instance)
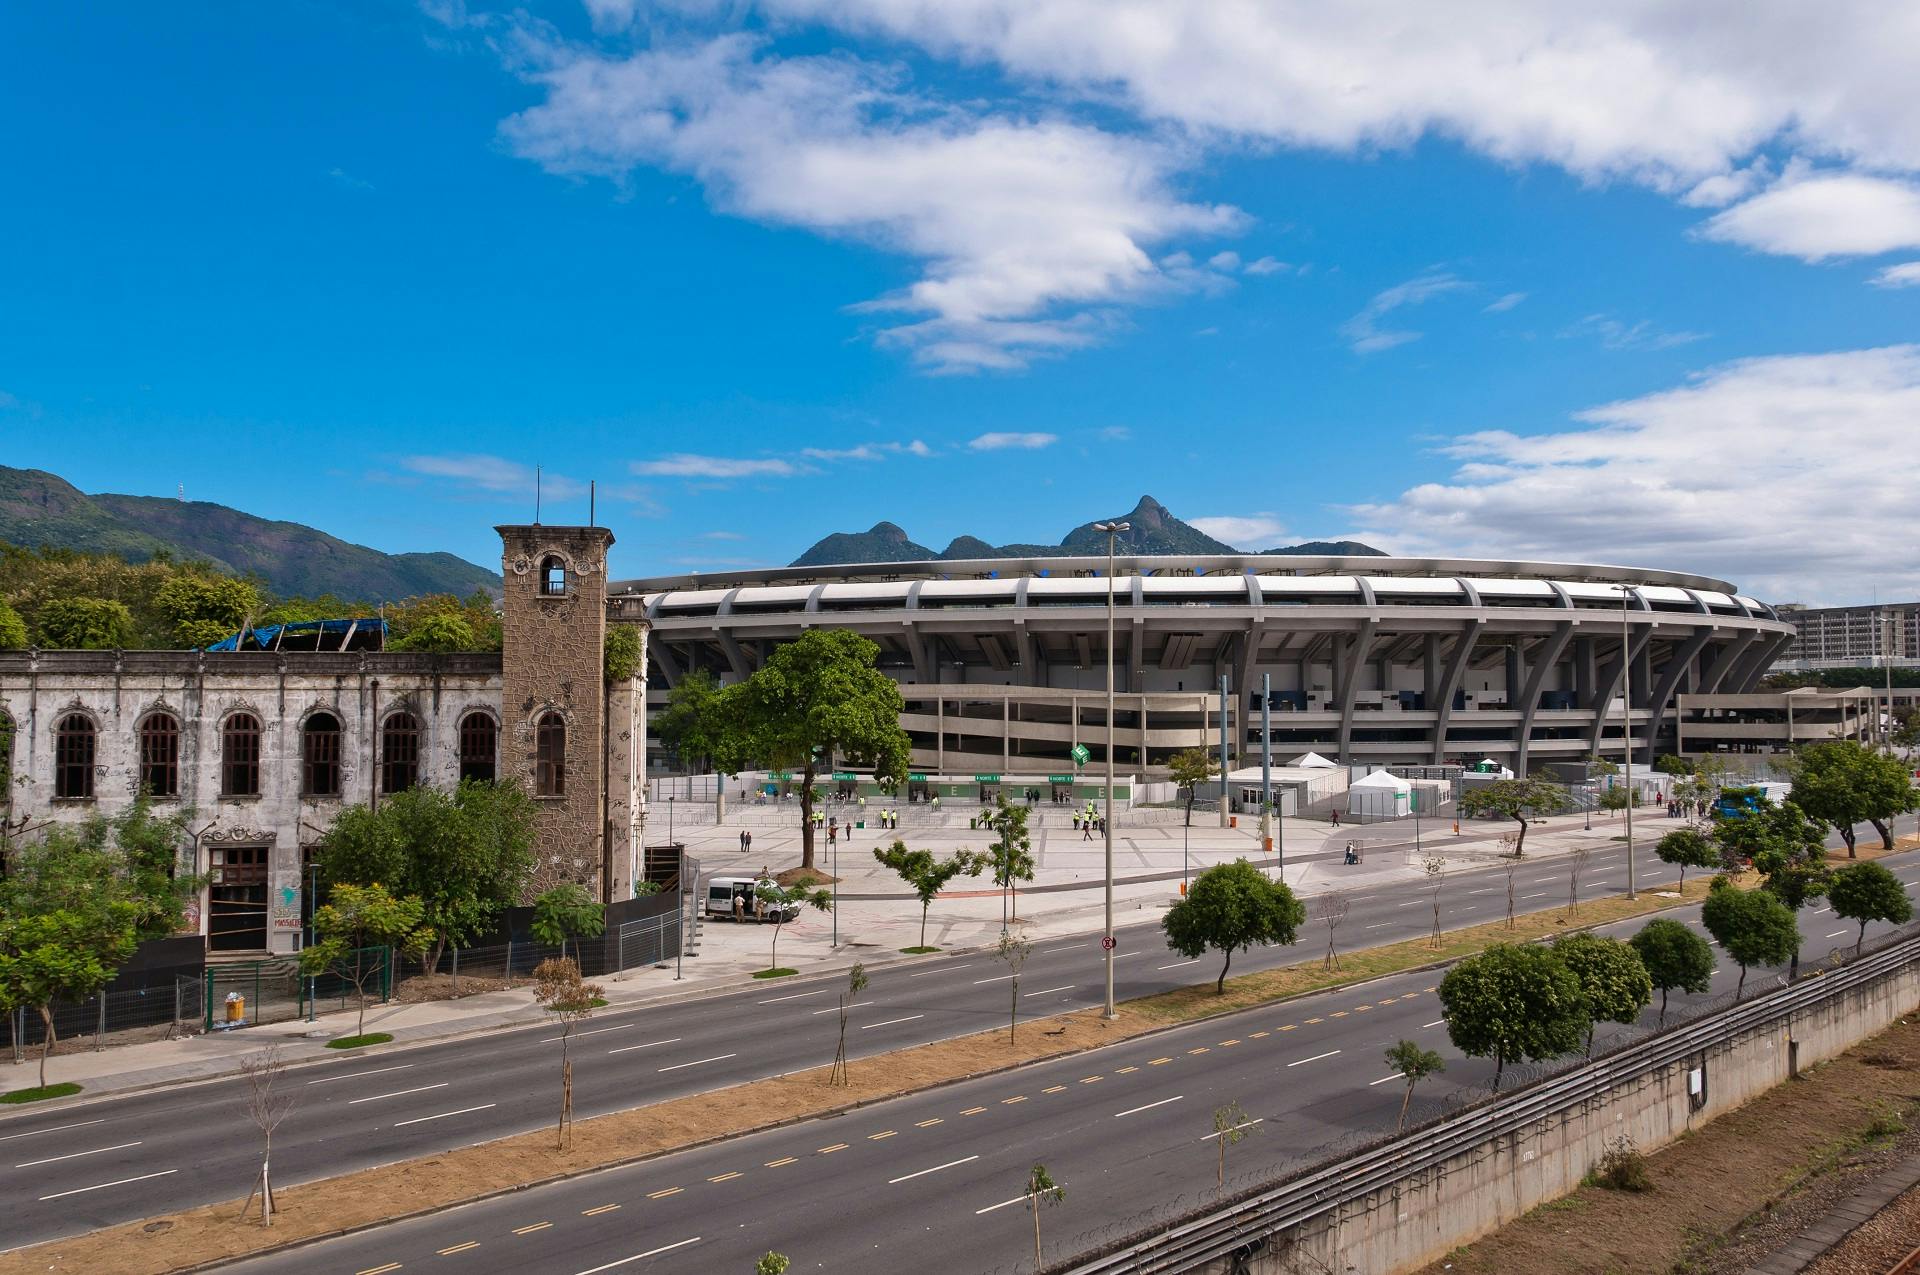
(1361, 1009)
(1201, 1050)
(380, 1270)
(928, 1124)
(1155, 1062)
(1125, 1070)
(1092, 1080)
(661, 1195)
(1257, 1035)
(459, 1248)
(1228, 1044)
(973, 1111)
(1008, 1102)
(1288, 1027)
(604, 1208)
(838, 1146)
(1316, 1020)
(1390, 1000)
(725, 1177)
(1053, 1089)
(884, 1133)
(1433, 989)
(529, 1230)
(784, 1160)
(1338, 1013)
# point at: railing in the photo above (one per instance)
(164, 1009)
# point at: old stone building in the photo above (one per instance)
(266, 747)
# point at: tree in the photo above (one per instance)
(1511, 863)
(1866, 892)
(558, 987)
(1905, 735)
(817, 698)
(1014, 951)
(441, 633)
(1674, 956)
(1668, 764)
(1687, 848)
(1514, 1002)
(1793, 866)
(785, 901)
(690, 726)
(1612, 978)
(268, 1106)
(621, 655)
(567, 912)
(1514, 799)
(1613, 800)
(13, 630)
(1041, 1189)
(1413, 1064)
(1189, 768)
(927, 875)
(356, 920)
(1752, 926)
(201, 608)
(1011, 852)
(1332, 908)
(1435, 866)
(771, 1263)
(856, 983)
(1760, 826)
(1844, 782)
(464, 856)
(1230, 1124)
(1231, 907)
(86, 624)
(1576, 864)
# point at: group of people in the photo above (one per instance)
(1089, 821)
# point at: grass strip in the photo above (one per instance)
(40, 1093)
(360, 1042)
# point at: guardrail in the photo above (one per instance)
(1232, 1226)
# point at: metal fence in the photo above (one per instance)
(174, 1005)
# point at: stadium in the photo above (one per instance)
(1402, 661)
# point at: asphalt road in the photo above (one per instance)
(91, 1164)
(935, 1181)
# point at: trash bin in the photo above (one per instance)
(1233, 821)
(236, 1009)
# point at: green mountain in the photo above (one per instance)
(1332, 549)
(38, 508)
(1153, 531)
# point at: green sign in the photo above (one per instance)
(844, 774)
(986, 779)
(1060, 779)
(1080, 754)
(916, 778)
(783, 774)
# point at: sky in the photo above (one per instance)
(1636, 283)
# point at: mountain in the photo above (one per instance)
(1153, 530)
(1332, 549)
(38, 508)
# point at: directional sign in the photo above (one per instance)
(1080, 754)
(1109, 942)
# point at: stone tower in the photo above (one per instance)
(553, 729)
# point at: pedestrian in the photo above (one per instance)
(1086, 831)
(1334, 814)
(833, 834)
(749, 842)
(743, 841)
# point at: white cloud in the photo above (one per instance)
(1224, 261)
(1026, 227)
(685, 465)
(1613, 334)
(997, 441)
(722, 535)
(1736, 474)
(1904, 275)
(1722, 189)
(1500, 305)
(1115, 433)
(1267, 265)
(1820, 215)
(916, 448)
(1363, 331)
(493, 474)
(866, 451)
(1249, 532)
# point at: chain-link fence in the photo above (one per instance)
(163, 1009)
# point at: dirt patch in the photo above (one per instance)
(787, 876)
(442, 987)
(1733, 1191)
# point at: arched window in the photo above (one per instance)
(399, 753)
(550, 756)
(553, 576)
(479, 746)
(73, 745)
(320, 756)
(240, 756)
(160, 754)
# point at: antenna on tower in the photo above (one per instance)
(592, 485)
(536, 495)
(183, 490)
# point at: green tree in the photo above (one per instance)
(358, 920)
(1905, 735)
(1614, 800)
(1674, 956)
(1752, 926)
(1687, 848)
(201, 608)
(567, 912)
(771, 1263)
(691, 725)
(441, 633)
(1515, 799)
(1189, 768)
(1412, 1064)
(1668, 764)
(1844, 783)
(464, 855)
(1232, 907)
(1041, 1190)
(1230, 1124)
(927, 875)
(13, 630)
(1514, 1002)
(1014, 951)
(559, 989)
(1612, 978)
(1793, 862)
(1866, 892)
(1010, 853)
(86, 624)
(407, 620)
(787, 900)
(856, 984)
(622, 653)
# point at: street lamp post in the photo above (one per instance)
(313, 901)
(1626, 727)
(1112, 529)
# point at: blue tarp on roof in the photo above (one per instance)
(306, 634)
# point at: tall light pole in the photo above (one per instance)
(1112, 529)
(1626, 727)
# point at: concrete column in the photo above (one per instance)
(1430, 680)
(940, 735)
(1515, 672)
(1006, 731)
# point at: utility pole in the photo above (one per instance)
(1225, 765)
(1112, 529)
(1626, 731)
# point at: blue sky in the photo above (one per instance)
(1640, 292)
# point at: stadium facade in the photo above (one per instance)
(1002, 662)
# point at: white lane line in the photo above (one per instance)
(398, 1093)
(890, 1022)
(1410, 903)
(1538, 880)
(908, 1177)
(699, 1061)
(82, 1190)
(59, 1128)
(1299, 1062)
(946, 969)
(1398, 1075)
(664, 1248)
(1003, 978)
(1836, 934)
(75, 1155)
(1149, 1107)
(355, 1075)
(1435, 1023)
(444, 1114)
(1489, 890)
(1018, 1199)
(627, 1049)
(598, 1031)
(1248, 1125)
(796, 996)
(1177, 964)
(1818, 911)
(1543, 894)
(1049, 991)
(1048, 951)
(1121, 956)
(1381, 925)
(834, 1009)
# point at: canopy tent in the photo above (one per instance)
(1490, 766)
(1380, 795)
(1312, 761)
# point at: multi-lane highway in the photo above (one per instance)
(89, 1164)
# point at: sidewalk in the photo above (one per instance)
(875, 918)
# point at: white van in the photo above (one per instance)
(723, 891)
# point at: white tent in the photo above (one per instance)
(1312, 761)
(1380, 795)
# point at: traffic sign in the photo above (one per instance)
(1109, 942)
(1079, 753)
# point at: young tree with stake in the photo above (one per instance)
(1041, 1190)
(1436, 869)
(269, 1103)
(1576, 864)
(1230, 908)
(1011, 853)
(558, 987)
(1413, 1064)
(784, 902)
(1674, 957)
(1013, 952)
(1230, 1124)
(856, 983)
(1332, 908)
(927, 876)
(1866, 892)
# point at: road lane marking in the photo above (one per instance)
(1248, 1125)
(627, 1049)
(598, 1031)
(725, 1177)
(1049, 951)
(604, 1208)
(1048, 991)
(1018, 1199)
(867, 1027)
(928, 1124)
(1836, 934)
(1149, 1107)
(697, 1062)
(796, 996)
(973, 1111)
(60, 1128)
(838, 1146)
(75, 1155)
(1398, 1075)
(1435, 1023)
(1008, 1102)
(664, 1248)
(398, 1093)
(355, 1075)
(1229, 1044)
(1126, 1071)
(458, 1248)
(782, 1162)
(1201, 1050)
(1258, 1035)
(1155, 1062)
(379, 1270)
(1092, 1080)
(1177, 964)
(82, 1190)
(1487, 890)
(1299, 1062)
(1338, 1013)
(1001, 979)
(529, 1230)
(834, 1009)
(661, 1195)
(1410, 903)
(946, 970)
(487, 1106)
(1311, 1021)
(1121, 956)
(1287, 1027)
(935, 1169)
(884, 1133)
(1380, 925)
(1543, 894)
